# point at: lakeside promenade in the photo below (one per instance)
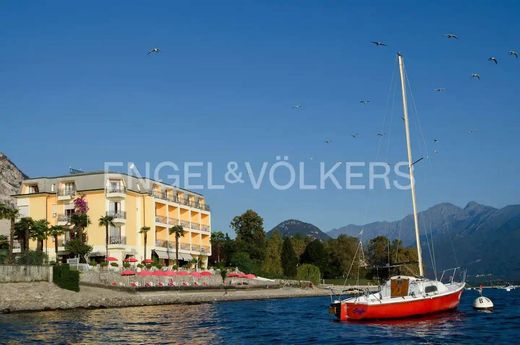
(40, 296)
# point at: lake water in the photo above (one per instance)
(286, 321)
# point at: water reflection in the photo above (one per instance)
(194, 324)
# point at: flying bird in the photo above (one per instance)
(354, 135)
(364, 101)
(379, 43)
(471, 131)
(451, 36)
(297, 107)
(475, 76)
(435, 141)
(153, 50)
(380, 134)
(513, 53)
(440, 89)
(493, 59)
(328, 141)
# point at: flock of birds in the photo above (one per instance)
(450, 36)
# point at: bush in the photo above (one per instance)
(93, 263)
(159, 266)
(126, 265)
(243, 262)
(32, 258)
(104, 264)
(308, 272)
(65, 278)
(148, 266)
(140, 266)
(114, 264)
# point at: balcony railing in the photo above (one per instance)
(183, 201)
(116, 189)
(63, 218)
(173, 221)
(117, 240)
(161, 219)
(205, 228)
(117, 214)
(185, 246)
(185, 224)
(161, 243)
(66, 192)
(204, 249)
(195, 226)
(195, 248)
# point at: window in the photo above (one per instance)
(431, 288)
(32, 188)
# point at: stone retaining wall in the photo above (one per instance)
(25, 273)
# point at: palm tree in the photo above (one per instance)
(39, 233)
(106, 221)
(55, 231)
(144, 230)
(11, 213)
(79, 222)
(178, 230)
(22, 231)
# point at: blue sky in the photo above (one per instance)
(78, 89)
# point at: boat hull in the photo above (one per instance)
(353, 311)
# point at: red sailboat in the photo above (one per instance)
(403, 296)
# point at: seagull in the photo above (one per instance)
(493, 59)
(297, 107)
(380, 134)
(475, 76)
(435, 141)
(440, 89)
(471, 131)
(354, 135)
(513, 53)
(153, 50)
(364, 101)
(328, 141)
(451, 36)
(379, 43)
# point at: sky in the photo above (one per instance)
(77, 88)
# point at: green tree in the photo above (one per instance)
(300, 243)
(39, 232)
(22, 232)
(249, 228)
(178, 232)
(243, 261)
(4, 242)
(55, 231)
(11, 213)
(79, 222)
(272, 264)
(289, 258)
(309, 272)
(144, 230)
(341, 252)
(106, 221)
(78, 248)
(316, 255)
(218, 240)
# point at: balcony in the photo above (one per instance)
(161, 243)
(205, 228)
(173, 221)
(66, 194)
(195, 226)
(205, 250)
(116, 240)
(161, 219)
(185, 246)
(119, 217)
(116, 192)
(195, 248)
(63, 219)
(185, 224)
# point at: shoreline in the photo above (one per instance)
(43, 296)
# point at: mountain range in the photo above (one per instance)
(481, 238)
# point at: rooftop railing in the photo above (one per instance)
(117, 214)
(116, 189)
(117, 240)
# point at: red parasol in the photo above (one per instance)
(196, 274)
(250, 276)
(147, 261)
(130, 260)
(206, 274)
(128, 273)
(111, 258)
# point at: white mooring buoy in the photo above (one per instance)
(482, 303)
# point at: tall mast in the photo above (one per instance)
(410, 163)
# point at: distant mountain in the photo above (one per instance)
(481, 238)
(10, 181)
(292, 227)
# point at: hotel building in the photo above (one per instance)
(133, 203)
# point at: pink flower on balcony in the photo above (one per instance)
(80, 205)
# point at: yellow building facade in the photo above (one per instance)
(133, 203)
